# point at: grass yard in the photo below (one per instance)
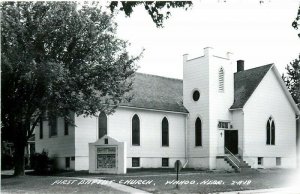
(206, 182)
(43, 184)
(154, 181)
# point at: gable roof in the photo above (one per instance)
(245, 82)
(166, 94)
(156, 92)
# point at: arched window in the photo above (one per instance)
(270, 132)
(102, 125)
(165, 132)
(198, 132)
(221, 80)
(135, 130)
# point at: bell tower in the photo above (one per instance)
(208, 92)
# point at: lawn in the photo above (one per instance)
(205, 182)
(154, 181)
(46, 184)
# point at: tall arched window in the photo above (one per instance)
(270, 132)
(135, 130)
(102, 130)
(165, 132)
(221, 80)
(198, 132)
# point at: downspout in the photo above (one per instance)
(185, 142)
(243, 136)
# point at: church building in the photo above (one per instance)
(214, 118)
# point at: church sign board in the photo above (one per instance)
(107, 155)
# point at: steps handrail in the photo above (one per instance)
(232, 154)
(233, 162)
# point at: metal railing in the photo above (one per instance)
(233, 162)
(226, 150)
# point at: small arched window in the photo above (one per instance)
(102, 130)
(221, 80)
(135, 130)
(198, 132)
(270, 131)
(165, 132)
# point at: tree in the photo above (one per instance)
(58, 57)
(292, 79)
(158, 10)
(296, 22)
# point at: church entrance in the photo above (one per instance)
(231, 141)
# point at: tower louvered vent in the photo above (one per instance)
(221, 80)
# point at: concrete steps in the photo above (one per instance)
(237, 164)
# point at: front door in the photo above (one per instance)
(231, 141)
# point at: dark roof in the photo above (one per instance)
(161, 93)
(156, 92)
(245, 82)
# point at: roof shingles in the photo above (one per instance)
(245, 82)
(156, 92)
(161, 93)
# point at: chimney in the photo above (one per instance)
(240, 65)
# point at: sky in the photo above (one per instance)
(257, 33)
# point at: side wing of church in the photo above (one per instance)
(214, 118)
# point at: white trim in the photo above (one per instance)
(195, 58)
(258, 85)
(156, 110)
(221, 57)
(283, 86)
(287, 93)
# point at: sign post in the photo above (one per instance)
(178, 167)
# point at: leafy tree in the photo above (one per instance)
(58, 57)
(296, 22)
(158, 10)
(292, 79)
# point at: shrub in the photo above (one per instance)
(7, 161)
(41, 163)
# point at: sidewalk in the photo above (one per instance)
(289, 190)
(11, 172)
